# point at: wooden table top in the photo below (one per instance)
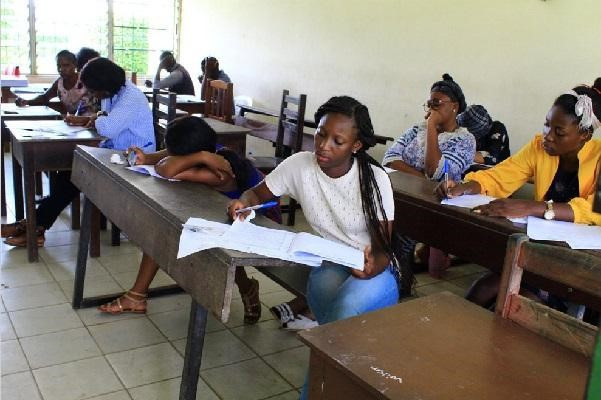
(222, 127)
(25, 132)
(443, 347)
(151, 212)
(10, 111)
(472, 237)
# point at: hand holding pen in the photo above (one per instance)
(237, 209)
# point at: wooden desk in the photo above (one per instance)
(151, 212)
(439, 347)
(309, 123)
(9, 81)
(10, 112)
(231, 136)
(472, 237)
(185, 102)
(35, 154)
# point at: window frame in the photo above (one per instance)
(111, 46)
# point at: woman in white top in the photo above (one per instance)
(346, 197)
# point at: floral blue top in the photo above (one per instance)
(458, 149)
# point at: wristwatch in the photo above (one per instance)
(549, 214)
(101, 114)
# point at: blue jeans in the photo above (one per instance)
(333, 293)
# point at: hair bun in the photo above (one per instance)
(447, 77)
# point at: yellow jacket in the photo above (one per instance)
(533, 162)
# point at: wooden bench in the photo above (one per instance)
(268, 131)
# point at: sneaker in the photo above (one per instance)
(282, 313)
(299, 323)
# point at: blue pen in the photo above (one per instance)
(258, 207)
(445, 169)
(79, 107)
(131, 157)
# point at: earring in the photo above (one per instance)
(453, 110)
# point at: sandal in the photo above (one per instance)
(14, 229)
(21, 239)
(252, 305)
(115, 307)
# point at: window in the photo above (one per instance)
(14, 35)
(70, 25)
(131, 32)
(142, 29)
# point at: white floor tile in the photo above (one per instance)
(125, 335)
(147, 365)
(77, 380)
(41, 320)
(59, 347)
(13, 359)
(45, 294)
(20, 386)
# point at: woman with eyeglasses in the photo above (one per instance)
(432, 148)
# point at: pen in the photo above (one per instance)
(258, 207)
(446, 174)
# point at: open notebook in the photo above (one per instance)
(149, 170)
(303, 248)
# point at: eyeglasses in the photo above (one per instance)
(434, 104)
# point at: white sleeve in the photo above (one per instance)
(285, 178)
(386, 192)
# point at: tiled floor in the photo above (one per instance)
(50, 351)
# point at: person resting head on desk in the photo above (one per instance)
(191, 155)
(65, 87)
(433, 149)
(125, 121)
(492, 140)
(177, 81)
(563, 164)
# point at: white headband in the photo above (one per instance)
(584, 109)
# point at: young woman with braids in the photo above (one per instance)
(563, 162)
(346, 197)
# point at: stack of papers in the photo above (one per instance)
(303, 248)
(577, 236)
(475, 200)
(149, 170)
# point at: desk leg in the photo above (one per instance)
(18, 189)
(115, 235)
(95, 232)
(30, 184)
(82, 253)
(3, 188)
(193, 355)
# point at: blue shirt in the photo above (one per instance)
(129, 120)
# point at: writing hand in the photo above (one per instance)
(237, 205)
(21, 102)
(140, 155)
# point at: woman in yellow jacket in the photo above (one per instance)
(564, 163)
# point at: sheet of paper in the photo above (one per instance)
(389, 170)
(56, 127)
(578, 236)
(475, 200)
(198, 234)
(306, 243)
(149, 170)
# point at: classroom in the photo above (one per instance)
(252, 200)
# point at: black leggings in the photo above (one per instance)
(63, 192)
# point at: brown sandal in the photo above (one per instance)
(115, 307)
(252, 305)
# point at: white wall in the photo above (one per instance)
(513, 56)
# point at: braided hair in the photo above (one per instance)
(371, 197)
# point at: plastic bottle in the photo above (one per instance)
(17, 71)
